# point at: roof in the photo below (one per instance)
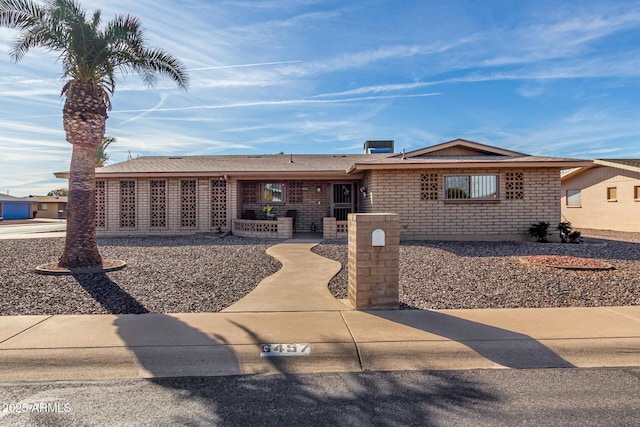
(315, 165)
(623, 164)
(460, 153)
(452, 154)
(11, 199)
(47, 199)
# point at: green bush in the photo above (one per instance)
(567, 234)
(540, 231)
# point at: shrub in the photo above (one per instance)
(567, 234)
(540, 231)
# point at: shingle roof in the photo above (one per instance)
(470, 161)
(7, 197)
(627, 162)
(47, 199)
(227, 164)
(333, 165)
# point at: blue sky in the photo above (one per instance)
(557, 78)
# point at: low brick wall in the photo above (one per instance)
(281, 228)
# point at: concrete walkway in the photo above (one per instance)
(299, 285)
(294, 309)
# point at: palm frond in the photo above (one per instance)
(87, 53)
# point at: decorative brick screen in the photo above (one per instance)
(294, 192)
(188, 204)
(429, 186)
(218, 203)
(101, 204)
(127, 204)
(250, 192)
(514, 185)
(257, 226)
(158, 205)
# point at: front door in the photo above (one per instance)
(343, 200)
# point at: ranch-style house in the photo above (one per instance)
(457, 190)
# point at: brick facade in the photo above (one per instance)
(595, 211)
(400, 191)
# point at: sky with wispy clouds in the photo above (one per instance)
(558, 78)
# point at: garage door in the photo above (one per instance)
(15, 211)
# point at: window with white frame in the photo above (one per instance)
(272, 193)
(471, 187)
(574, 198)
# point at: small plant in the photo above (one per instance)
(567, 234)
(540, 231)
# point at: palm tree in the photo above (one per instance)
(90, 56)
(101, 150)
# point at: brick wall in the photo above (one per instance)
(499, 219)
(172, 210)
(374, 271)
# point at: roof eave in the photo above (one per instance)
(301, 175)
(562, 164)
(616, 165)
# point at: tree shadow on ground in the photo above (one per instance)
(501, 346)
(109, 294)
(347, 398)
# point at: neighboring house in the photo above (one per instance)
(15, 207)
(603, 196)
(458, 190)
(49, 206)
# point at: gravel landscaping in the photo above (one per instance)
(200, 274)
(163, 275)
(450, 275)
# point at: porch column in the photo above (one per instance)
(329, 228)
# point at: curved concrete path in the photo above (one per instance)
(300, 285)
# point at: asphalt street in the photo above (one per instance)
(541, 397)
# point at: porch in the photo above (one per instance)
(279, 209)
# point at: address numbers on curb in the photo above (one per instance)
(297, 349)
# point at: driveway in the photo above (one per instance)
(32, 228)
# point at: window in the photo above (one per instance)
(573, 198)
(42, 206)
(272, 193)
(612, 194)
(636, 192)
(471, 187)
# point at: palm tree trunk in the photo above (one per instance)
(81, 247)
(84, 116)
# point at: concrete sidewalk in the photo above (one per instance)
(294, 307)
(34, 348)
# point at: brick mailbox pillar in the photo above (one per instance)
(374, 246)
